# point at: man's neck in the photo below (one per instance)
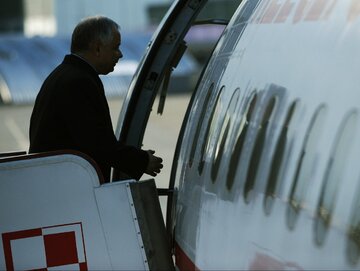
(81, 56)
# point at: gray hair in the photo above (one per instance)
(91, 29)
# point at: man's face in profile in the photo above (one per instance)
(109, 54)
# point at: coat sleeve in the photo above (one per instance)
(131, 160)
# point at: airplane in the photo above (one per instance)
(265, 174)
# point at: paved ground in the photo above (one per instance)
(161, 133)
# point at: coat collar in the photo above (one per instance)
(80, 62)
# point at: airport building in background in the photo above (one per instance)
(59, 17)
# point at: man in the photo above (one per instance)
(71, 110)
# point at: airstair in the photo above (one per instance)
(55, 215)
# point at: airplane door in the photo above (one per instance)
(164, 51)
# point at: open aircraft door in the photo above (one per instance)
(161, 57)
(163, 53)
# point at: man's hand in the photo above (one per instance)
(155, 164)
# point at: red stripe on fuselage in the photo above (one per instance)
(182, 261)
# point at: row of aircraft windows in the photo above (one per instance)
(305, 166)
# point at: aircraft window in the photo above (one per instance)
(198, 127)
(233, 37)
(277, 160)
(210, 128)
(306, 166)
(256, 153)
(333, 174)
(243, 126)
(239, 26)
(226, 123)
(247, 11)
(353, 234)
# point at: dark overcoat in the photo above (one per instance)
(71, 112)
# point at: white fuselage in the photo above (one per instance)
(268, 173)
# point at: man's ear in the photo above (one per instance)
(95, 47)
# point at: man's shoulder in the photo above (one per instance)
(68, 73)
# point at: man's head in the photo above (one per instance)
(97, 39)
